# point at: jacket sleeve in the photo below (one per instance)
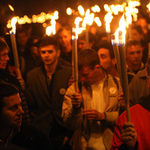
(71, 117)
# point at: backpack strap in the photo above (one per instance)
(115, 80)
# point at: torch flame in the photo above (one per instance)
(108, 18)
(49, 30)
(69, 11)
(10, 7)
(121, 32)
(77, 30)
(13, 25)
(148, 6)
(81, 10)
(95, 8)
(98, 22)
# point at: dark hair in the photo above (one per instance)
(22, 30)
(88, 57)
(107, 45)
(3, 44)
(138, 28)
(6, 90)
(131, 42)
(82, 36)
(48, 40)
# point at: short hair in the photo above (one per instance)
(6, 90)
(138, 28)
(88, 57)
(132, 42)
(107, 45)
(82, 36)
(62, 29)
(3, 44)
(48, 40)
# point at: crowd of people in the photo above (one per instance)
(43, 110)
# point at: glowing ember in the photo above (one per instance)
(148, 6)
(98, 22)
(69, 11)
(13, 25)
(108, 18)
(10, 7)
(81, 10)
(95, 8)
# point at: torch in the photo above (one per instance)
(120, 38)
(14, 46)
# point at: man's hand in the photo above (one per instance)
(76, 99)
(92, 114)
(129, 135)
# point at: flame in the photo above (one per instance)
(88, 19)
(81, 10)
(98, 22)
(121, 32)
(148, 6)
(77, 30)
(69, 11)
(10, 7)
(108, 18)
(95, 8)
(116, 9)
(129, 18)
(13, 25)
(106, 7)
(40, 18)
(49, 30)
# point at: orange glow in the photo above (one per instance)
(108, 18)
(13, 25)
(69, 11)
(148, 6)
(10, 7)
(98, 22)
(95, 8)
(81, 10)
(121, 32)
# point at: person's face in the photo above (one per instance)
(4, 59)
(81, 45)
(105, 59)
(134, 55)
(87, 75)
(11, 116)
(135, 35)
(64, 38)
(49, 54)
(22, 38)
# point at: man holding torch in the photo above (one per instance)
(134, 135)
(93, 110)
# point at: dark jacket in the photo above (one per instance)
(46, 102)
(30, 138)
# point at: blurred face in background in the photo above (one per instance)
(22, 38)
(4, 59)
(135, 35)
(64, 38)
